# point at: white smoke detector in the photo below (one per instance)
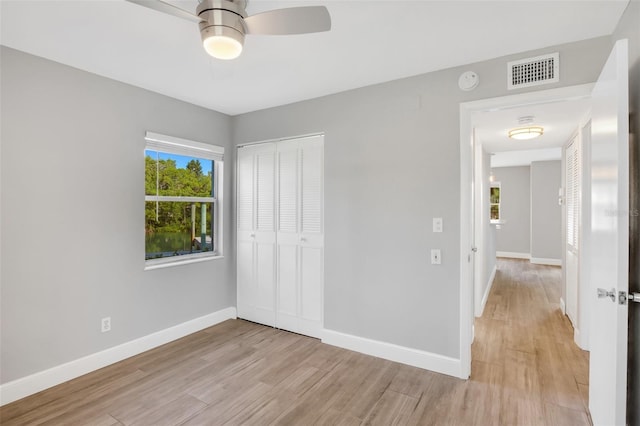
(468, 81)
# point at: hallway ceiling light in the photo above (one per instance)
(525, 133)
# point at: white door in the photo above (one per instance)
(280, 223)
(573, 180)
(300, 235)
(288, 236)
(609, 240)
(311, 235)
(256, 247)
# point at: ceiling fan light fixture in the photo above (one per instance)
(224, 23)
(222, 47)
(222, 42)
(526, 133)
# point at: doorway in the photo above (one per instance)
(519, 205)
(609, 234)
(476, 267)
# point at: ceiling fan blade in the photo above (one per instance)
(293, 20)
(167, 8)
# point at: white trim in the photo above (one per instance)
(580, 339)
(178, 199)
(546, 261)
(159, 142)
(417, 358)
(487, 291)
(513, 255)
(218, 213)
(467, 290)
(167, 262)
(467, 109)
(308, 135)
(563, 306)
(42, 380)
(480, 224)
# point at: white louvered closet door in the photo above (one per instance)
(300, 236)
(256, 247)
(573, 203)
(311, 235)
(288, 237)
(297, 235)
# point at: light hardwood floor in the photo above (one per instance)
(526, 371)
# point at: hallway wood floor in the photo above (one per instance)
(526, 371)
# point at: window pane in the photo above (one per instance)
(177, 175)
(495, 212)
(495, 195)
(150, 173)
(175, 229)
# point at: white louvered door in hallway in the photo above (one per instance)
(280, 275)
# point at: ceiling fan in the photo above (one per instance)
(224, 23)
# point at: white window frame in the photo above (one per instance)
(499, 203)
(173, 145)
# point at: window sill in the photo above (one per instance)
(167, 263)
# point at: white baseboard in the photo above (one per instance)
(488, 290)
(42, 380)
(580, 339)
(544, 261)
(513, 255)
(417, 358)
(563, 306)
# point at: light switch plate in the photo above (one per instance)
(437, 224)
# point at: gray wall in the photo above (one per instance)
(392, 164)
(546, 213)
(515, 209)
(629, 28)
(73, 215)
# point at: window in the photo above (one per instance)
(494, 200)
(183, 196)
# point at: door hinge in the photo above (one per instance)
(624, 297)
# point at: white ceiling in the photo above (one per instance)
(370, 42)
(559, 119)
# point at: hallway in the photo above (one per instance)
(524, 350)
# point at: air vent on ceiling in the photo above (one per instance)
(533, 71)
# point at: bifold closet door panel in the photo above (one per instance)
(288, 237)
(256, 234)
(311, 247)
(300, 239)
(245, 228)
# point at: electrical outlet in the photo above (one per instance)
(436, 257)
(106, 324)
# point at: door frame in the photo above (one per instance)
(467, 185)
